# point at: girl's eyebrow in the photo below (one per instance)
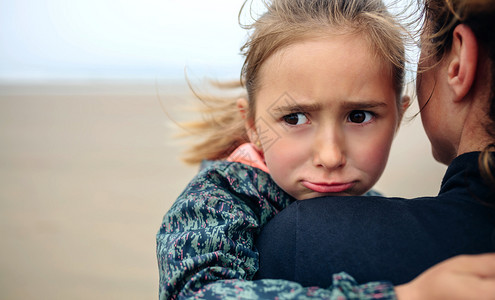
(349, 105)
(363, 104)
(295, 107)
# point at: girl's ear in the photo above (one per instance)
(243, 106)
(463, 61)
(406, 102)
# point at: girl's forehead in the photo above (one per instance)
(332, 67)
(338, 42)
(337, 36)
(317, 48)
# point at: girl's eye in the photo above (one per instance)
(360, 116)
(295, 119)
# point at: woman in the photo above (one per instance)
(396, 239)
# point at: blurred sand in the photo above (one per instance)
(87, 171)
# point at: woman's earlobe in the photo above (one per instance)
(463, 61)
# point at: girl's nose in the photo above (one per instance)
(329, 152)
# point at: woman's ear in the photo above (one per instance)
(243, 106)
(463, 61)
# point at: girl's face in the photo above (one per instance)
(326, 115)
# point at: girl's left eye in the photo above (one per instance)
(295, 119)
(360, 116)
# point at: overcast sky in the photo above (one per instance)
(118, 39)
(73, 39)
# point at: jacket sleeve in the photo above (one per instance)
(205, 246)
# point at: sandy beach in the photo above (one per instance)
(87, 171)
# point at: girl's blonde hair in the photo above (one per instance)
(286, 22)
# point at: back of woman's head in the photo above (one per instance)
(285, 22)
(441, 17)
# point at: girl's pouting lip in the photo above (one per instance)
(326, 188)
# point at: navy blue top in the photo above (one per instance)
(377, 238)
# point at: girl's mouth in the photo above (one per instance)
(327, 188)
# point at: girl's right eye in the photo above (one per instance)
(295, 119)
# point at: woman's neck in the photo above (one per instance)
(475, 136)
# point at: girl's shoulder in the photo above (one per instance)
(227, 177)
(373, 193)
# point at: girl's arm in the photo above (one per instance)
(205, 247)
